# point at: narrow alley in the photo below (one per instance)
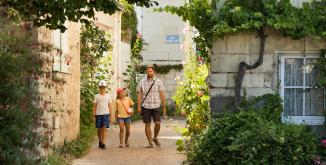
(137, 154)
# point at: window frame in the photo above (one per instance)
(306, 120)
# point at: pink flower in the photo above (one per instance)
(316, 160)
(323, 142)
(139, 35)
(182, 46)
(185, 29)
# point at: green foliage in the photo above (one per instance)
(187, 99)
(247, 138)
(321, 156)
(54, 14)
(251, 15)
(19, 118)
(321, 63)
(269, 106)
(94, 45)
(79, 147)
(55, 160)
(132, 71)
(128, 22)
(162, 69)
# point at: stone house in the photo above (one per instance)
(163, 36)
(59, 88)
(288, 69)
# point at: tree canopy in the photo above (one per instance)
(53, 14)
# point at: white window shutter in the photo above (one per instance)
(56, 63)
(57, 39)
(60, 41)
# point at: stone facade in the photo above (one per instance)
(163, 42)
(163, 34)
(227, 53)
(60, 90)
(170, 81)
(59, 86)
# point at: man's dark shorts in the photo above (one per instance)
(148, 114)
(102, 121)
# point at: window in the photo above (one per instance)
(304, 101)
(60, 60)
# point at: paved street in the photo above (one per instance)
(137, 153)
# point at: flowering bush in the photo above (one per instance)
(320, 157)
(192, 96)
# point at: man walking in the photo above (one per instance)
(150, 96)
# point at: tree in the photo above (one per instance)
(54, 14)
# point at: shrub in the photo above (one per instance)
(192, 96)
(269, 106)
(248, 138)
(20, 62)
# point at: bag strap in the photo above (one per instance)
(124, 106)
(148, 91)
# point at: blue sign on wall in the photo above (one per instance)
(172, 39)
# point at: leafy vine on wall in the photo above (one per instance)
(163, 69)
(255, 16)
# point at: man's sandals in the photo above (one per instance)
(155, 140)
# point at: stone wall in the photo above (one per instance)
(170, 84)
(156, 28)
(125, 56)
(60, 91)
(227, 53)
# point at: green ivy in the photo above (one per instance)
(128, 22)
(321, 63)
(163, 69)
(238, 16)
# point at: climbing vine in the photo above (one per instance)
(252, 15)
(133, 68)
(321, 63)
(128, 22)
(163, 69)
